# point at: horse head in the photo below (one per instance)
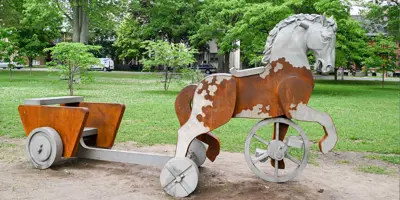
(321, 40)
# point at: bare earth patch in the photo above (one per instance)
(335, 177)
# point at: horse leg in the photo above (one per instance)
(190, 130)
(183, 110)
(294, 94)
(305, 113)
(213, 105)
(283, 128)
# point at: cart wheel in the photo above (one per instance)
(44, 147)
(294, 150)
(197, 152)
(179, 177)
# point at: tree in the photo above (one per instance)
(382, 55)
(386, 13)
(39, 26)
(73, 59)
(129, 38)
(10, 13)
(350, 37)
(84, 15)
(215, 19)
(9, 50)
(168, 55)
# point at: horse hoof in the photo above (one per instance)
(327, 143)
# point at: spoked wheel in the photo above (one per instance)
(292, 153)
(197, 152)
(44, 147)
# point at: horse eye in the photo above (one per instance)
(326, 39)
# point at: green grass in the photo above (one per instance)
(366, 116)
(371, 169)
(395, 159)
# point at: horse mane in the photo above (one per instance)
(282, 24)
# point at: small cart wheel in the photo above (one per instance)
(294, 150)
(179, 177)
(44, 147)
(197, 152)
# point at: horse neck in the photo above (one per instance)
(290, 44)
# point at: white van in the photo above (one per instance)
(107, 64)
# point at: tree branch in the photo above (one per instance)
(65, 14)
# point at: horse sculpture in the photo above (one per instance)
(281, 89)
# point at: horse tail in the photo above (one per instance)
(183, 106)
(183, 111)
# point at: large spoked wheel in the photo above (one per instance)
(179, 177)
(293, 152)
(197, 152)
(44, 147)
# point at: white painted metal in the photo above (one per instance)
(193, 127)
(305, 113)
(246, 72)
(132, 157)
(44, 147)
(277, 150)
(89, 131)
(53, 100)
(294, 141)
(292, 38)
(197, 152)
(179, 177)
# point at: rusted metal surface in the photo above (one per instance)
(106, 117)
(258, 97)
(183, 103)
(282, 88)
(220, 94)
(183, 109)
(68, 122)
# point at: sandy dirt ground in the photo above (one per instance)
(227, 178)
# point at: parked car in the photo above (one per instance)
(107, 64)
(4, 65)
(206, 68)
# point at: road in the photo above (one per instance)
(316, 77)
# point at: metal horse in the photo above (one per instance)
(280, 89)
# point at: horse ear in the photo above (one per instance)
(303, 25)
(323, 20)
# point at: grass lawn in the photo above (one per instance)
(366, 116)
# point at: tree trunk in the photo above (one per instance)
(9, 66)
(71, 82)
(342, 73)
(30, 65)
(224, 66)
(383, 78)
(30, 61)
(165, 78)
(220, 63)
(80, 21)
(335, 70)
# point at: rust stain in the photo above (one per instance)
(223, 102)
(254, 90)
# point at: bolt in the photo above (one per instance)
(40, 149)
